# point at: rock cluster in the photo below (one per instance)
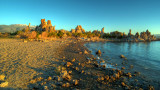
(46, 26)
(147, 36)
(73, 30)
(102, 31)
(144, 36)
(79, 29)
(130, 33)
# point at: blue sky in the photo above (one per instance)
(120, 15)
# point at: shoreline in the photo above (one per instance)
(79, 69)
(102, 68)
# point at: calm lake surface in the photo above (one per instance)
(144, 56)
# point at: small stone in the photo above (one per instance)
(141, 89)
(39, 79)
(77, 68)
(45, 87)
(68, 77)
(123, 68)
(129, 76)
(89, 62)
(104, 66)
(122, 56)
(59, 79)
(25, 41)
(138, 73)
(33, 81)
(63, 74)
(79, 63)
(73, 60)
(3, 84)
(82, 71)
(70, 72)
(106, 77)
(66, 85)
(68, 64)
(2, 77)
(75, 82)
(53, 85)
(100, 78)
(131, 66)
(151, 88)
(85, 52)
(123, 84)
(136, 80)
(49, 78)
(80, 52)
(98, 52)
(116, 75)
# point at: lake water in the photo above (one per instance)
(144, 56)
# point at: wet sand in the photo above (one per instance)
(57, 65)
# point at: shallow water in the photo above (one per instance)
(144, 56)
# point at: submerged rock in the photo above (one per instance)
(99, 52)
(122, 56)
(123, 68)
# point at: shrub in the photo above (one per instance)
(69, 34)
(52, 34)
(106, 35)
(60, 34)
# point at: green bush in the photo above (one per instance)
(69, 34)
(106, 35)
(60, 34)
(52, 34)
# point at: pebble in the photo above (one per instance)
(123, 68)
(2, 77)
(49, 78)
(98, 52)
(122, 56)
(123, 84)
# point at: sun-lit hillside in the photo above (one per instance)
(12, 28)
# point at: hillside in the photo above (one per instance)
(13, 27)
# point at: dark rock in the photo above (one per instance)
(98, 52)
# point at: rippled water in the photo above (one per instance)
(145, 56)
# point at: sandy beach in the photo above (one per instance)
(59, 64)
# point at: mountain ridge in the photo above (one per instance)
(13, 27)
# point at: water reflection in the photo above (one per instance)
(143, 55)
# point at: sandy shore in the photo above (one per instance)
(59, 64)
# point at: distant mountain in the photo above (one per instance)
(157, 35)
(14, 27)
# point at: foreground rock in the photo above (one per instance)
(98, 52)
(3, 83)
(2, 77)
